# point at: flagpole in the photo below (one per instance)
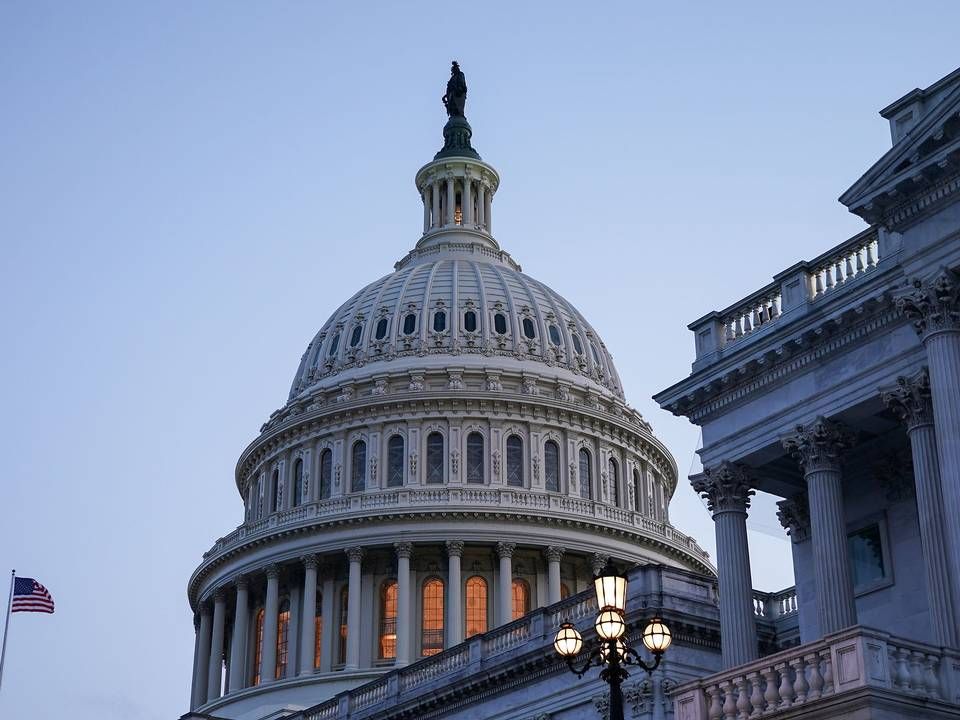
(6, 625)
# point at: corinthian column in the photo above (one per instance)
(817, 447)
(505, 583)
(911, 401)
(268, 652)
(308, 625)
(727, 491)
(794, 516)
(451, 201)
(238, 641)
(404, 551)
(201, 666)
(454, 594)
(215, 670)
(554, 555)
(355, 556)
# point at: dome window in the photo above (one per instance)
(470, 321)
(439, 321)
(500, 323)
(577, 345)
(528, 329)
(334, 344)
(356, 335)
(382, 326)
(555, 335)
(596, 357)
(409, 323)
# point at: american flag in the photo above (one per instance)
(30, 596)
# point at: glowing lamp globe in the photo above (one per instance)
(656, 636)
(611, 589)
(610, 624)
(568, 641)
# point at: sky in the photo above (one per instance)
(188, 190)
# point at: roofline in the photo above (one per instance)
(918, 94)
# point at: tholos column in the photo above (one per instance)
(308, 623)
(435, 221)
(911, 400)
(202, 665)
(727, 489)
(934, 308)
(404, 551)
(466, 201)
(554, 555)
(215, 670)
(817, 447)
(268, 652)
(425, 194)
(481, 201)
(355, 556)
(454, 594)
(451, 200)
(238, 640)
(486, 211)
(505, 583)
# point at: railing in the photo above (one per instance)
(425, 671)
(506, 637)
(775, 605)
(752, 313)
(831, 271)
(815, 673)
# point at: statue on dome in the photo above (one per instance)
(456, 98)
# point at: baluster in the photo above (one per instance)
(819, 284)
(859, 260)
(747, 327)
(870, 261)
(771, 694)
(903, 670)
(715, 712)
(757, 320)
(829, 277)
(729, 704)
(848, 267)
(738, 328)
(786, 687)
(838, 273)
(756, 695)
(827, 673)
(917, 680)
(799, 682)
(932, 681)
(729, 331)
(766, 313)
(743, 699)
(816, 679)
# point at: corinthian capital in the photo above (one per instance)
(910, 399)
(403, 549)
(554, 553)
(505, 549)
(455, 548)
(725, 487)
(794, 515)
(818, 445)
(355, 554)
(932, 305)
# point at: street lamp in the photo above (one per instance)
(612, 653)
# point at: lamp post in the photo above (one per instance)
(612, 654)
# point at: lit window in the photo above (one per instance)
(356, 335)
(298, 482)
(564, 591)
(317, 632)
(528, 328)
(551, 466)
(277, 489)
(554, 335)
(865, 547)
(614, 482)
(521, 598)
(470, 321)
(458, 212)
(439, 321)
(334, 344)
(515, 461)
(358, 467)
(500, 323)
(431, 639)
(395, 461)
(382, 325)
(577, 345)
(586, 478)
(344, 602)
(283, 637)
(326, 472)
(434, 458)
(476, 606)
(475, 458)
(388, 620)
(258, 647)
(409, 323)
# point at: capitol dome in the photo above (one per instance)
(455, 451)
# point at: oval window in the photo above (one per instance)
(500, 323)
(593, 351)
(528, 328)
(382, 328)
(356, 335)
(577, 345)
(334, 344)
(409, 324)
(470, 321)
(554, 334)
(439, 321)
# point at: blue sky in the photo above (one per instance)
(188, 190)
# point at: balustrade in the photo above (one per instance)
(842, 264)
(753, 313)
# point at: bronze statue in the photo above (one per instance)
(456, 98)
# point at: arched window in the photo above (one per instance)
(283, 638)
(277, 487)
(515, 461)
(434, 458)
(500, 324)
(257, 646)
(577, 344)
(334, 344)
(476, 606)
(596, 356)
(586, 476)
(409, 323)
(431, 638)
(298, 482)
(356, 335)
(317, 632)
(382, 326)
(439, 321)
(326, 473)
(551, 466)
(564, 591)
(474, 458)
(637, 490)
(395, 461)
(358, 467)
(528, 329)
(470, 321)
(554, 334)
(388, 620)
(342, 645)
(614, 472)
(521, 598)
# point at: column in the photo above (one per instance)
(466, 201)
(451, 200)
(355, 556)
(268, 654)
(404, 551)
(934, 308)
(794, 516)
(308, 616)
(481, 200)
(817, 447)
(215, 669)
(435, 194)
(203, 656)
(727, 489)
(911, 400)
(238, 642)
(486, 210)
(454, 593)
(554, 555)
(425, 194)
(505, 582)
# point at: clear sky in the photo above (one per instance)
(188, 190)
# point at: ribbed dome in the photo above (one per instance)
(463, 300)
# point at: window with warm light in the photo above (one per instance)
(431, 638)
(342, 645)
(476, 606)
(475, 458)
(395, 461)
(515, 461)
(388, 620)
(521, 598)
(551, 466)
(317, 632)
(358, 467)
(434, 458)
(564, 591)
(458, 211)
(586, 475)
(298, 482)
(283, 638)
(326, 473)
(258, 646)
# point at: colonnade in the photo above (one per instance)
(440, 204)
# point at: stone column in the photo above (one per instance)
(355, 555)
(727, 491)
(451, 200)
(268, 652)
(308, 615)
(554, 555)
(486, 210)
(911, 401)
(203, 657)
(934, 308)
(466, 201)
(238, 642)
(404, 551)
(454, 594)
(425, 194)
(215, 669)
(817, 447)
(505, 582)
(794, 516)
(481, 200)
(435, 193)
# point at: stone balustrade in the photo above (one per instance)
(753, 312)
(820, 672)
(775, 605)
(839, 265)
